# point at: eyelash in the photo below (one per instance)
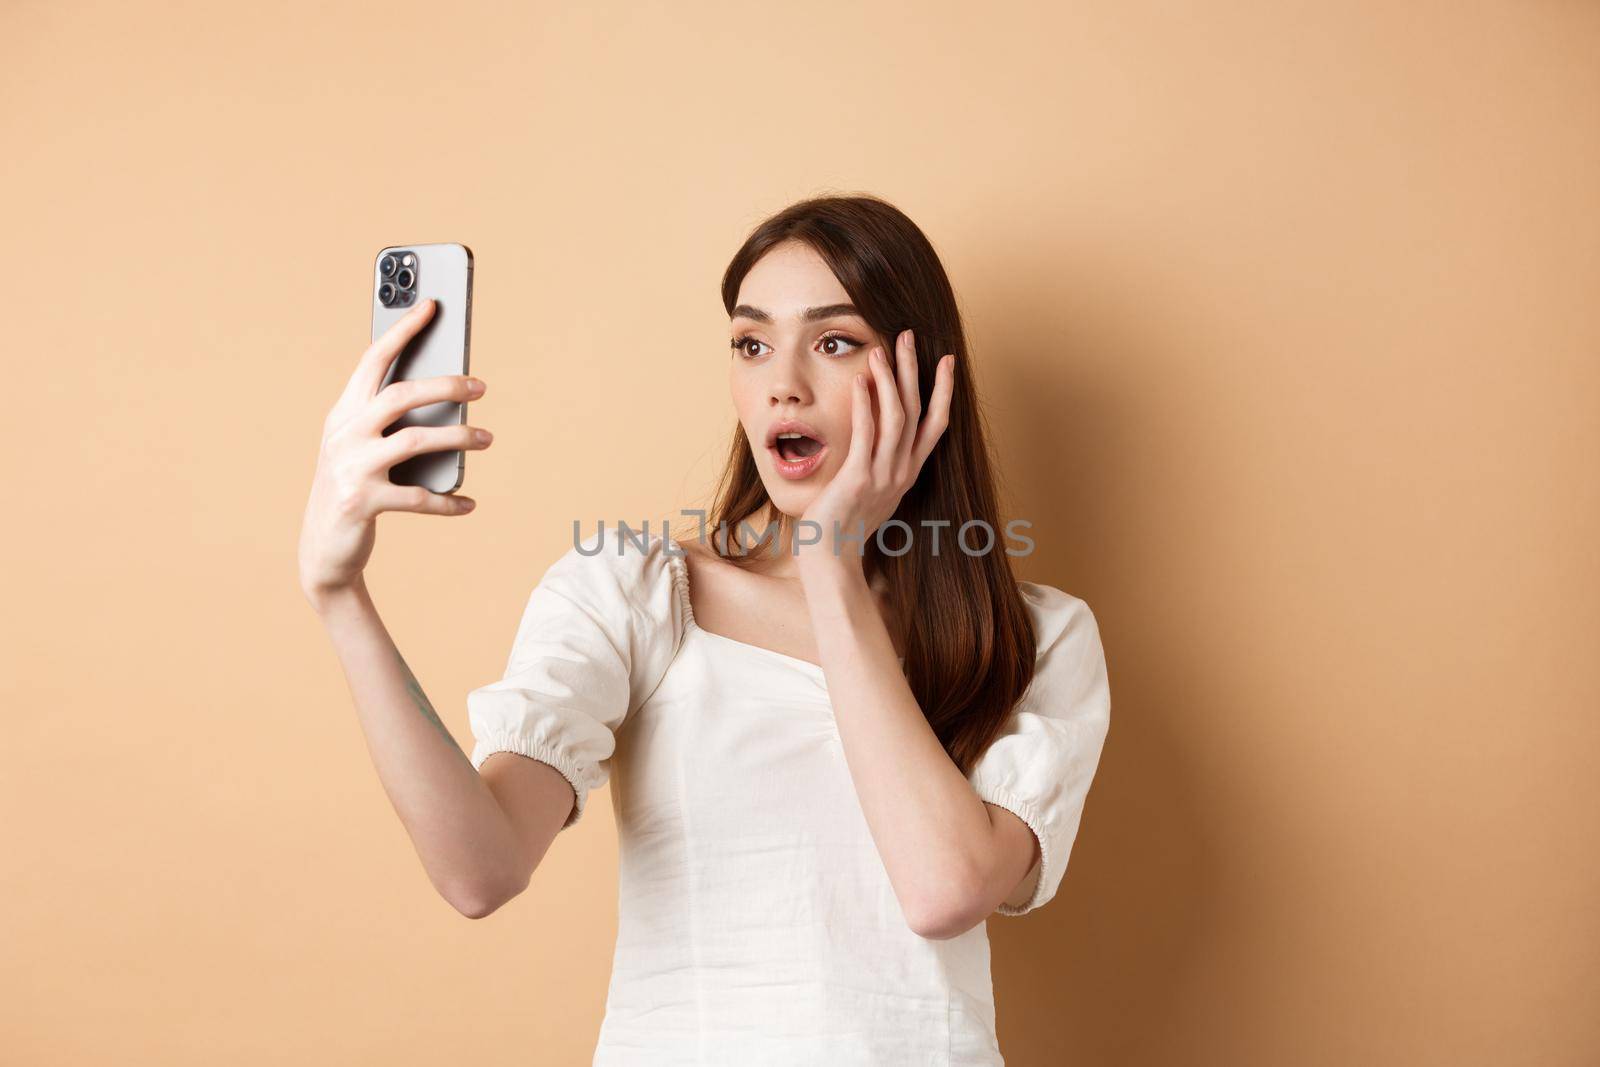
(738, 343)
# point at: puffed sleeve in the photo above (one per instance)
(1040, 766)
(598, 633)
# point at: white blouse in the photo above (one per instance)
(757, 924)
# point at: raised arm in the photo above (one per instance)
(479, 837)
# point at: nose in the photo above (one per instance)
(787, 385)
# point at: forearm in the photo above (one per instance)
(931, 829)
(461, 834)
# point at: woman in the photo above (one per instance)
(832, 754)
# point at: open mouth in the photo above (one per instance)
(793, 447)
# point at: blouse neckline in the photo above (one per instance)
(679, 567)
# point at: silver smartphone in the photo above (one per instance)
(402, 275)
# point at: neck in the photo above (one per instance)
(775, 559)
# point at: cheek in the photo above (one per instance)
(839, 403)
(842, 395)
(738, 392)
(746, 405)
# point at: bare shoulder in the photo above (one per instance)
(698, 554)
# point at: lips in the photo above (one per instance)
(797, 448)
(786, 426)
(795, 456)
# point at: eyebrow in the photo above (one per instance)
(826, 311)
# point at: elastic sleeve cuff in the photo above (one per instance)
(546, 754)
(1024, 809)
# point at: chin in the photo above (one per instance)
(792, 498)
(788, 499)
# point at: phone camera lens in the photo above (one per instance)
(386, 266)
(386, 294)
(406, 296)
(405, 278)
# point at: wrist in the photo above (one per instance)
(328, 601)
(830, 580)
(838, 547)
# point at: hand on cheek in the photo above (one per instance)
(890, 439)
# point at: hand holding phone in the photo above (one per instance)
(404, 276)
(352, 483)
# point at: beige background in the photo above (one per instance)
(1286, 317)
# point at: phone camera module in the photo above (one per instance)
(386, 266)
(405, 278)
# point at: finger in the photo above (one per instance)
(910, 397)
(391, 497)
(411, 441)
(396, 398)
(375, 361)
(860, 455)
(938, 417)
(891, 418)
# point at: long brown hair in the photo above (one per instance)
(969, 642)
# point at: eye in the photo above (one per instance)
(839, 338)
(741, 344)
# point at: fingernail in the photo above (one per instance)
(474, 386)
(468, 505)
(483, 436)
